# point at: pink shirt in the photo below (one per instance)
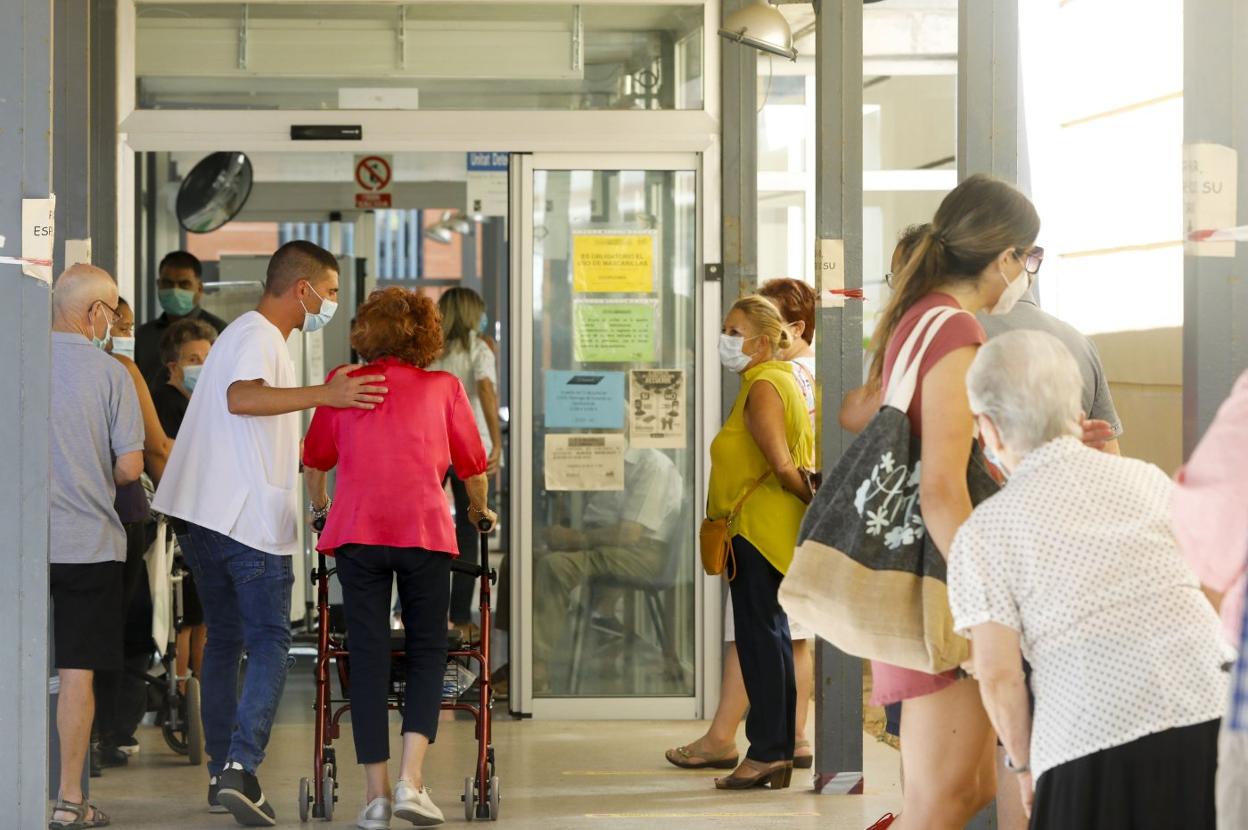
(392, 460)
(1210, 506)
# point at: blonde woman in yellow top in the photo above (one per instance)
(757, 461)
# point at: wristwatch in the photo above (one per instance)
(1018, 769)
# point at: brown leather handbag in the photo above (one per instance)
(715, 538)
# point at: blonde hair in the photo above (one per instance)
(766, 320)
(461, 310)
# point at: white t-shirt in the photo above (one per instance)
(1076, 553)
(238, 474)
(470, 366)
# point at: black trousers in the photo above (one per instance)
(114, 697)
(766, 652)
(367, 573)
(463, 585)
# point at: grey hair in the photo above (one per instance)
(1028, 383)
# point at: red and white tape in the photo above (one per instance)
(1239, 234)
(17, 260)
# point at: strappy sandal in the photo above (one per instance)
(777, 775)
(682, 757)
(79, 810)
(803, 760)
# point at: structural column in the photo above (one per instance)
(1215, 277)
(838, 220)
(988, 89)
(71, 169)
(25, 323)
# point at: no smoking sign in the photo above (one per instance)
(373, 176)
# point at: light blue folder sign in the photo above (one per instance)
(584, 400)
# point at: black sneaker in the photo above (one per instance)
(111, 756)
(214, 802)
(240, 793)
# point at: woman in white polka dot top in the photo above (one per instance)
(1074, 566)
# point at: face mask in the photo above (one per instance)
(190, 376)
(319, 320)
(995, 460)
(484, 325)
(1013, 292)
(100, 343)
(177, 302)
(731, 355)
(124, 346)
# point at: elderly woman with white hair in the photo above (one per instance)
(1074, 566)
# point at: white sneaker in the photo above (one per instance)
(415, 805)
(375, 815)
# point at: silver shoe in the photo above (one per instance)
(415, 805)
(375, 815)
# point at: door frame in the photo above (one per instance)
(707, 606)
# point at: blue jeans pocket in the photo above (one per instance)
(245, 565)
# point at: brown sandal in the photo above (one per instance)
(682, 757)
(751, 773)
(79, 811)
(803, 760)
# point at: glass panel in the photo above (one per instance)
(910, 122)
(614, 260)
(782, 242)
(443, 56)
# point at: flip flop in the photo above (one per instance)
(683, 758)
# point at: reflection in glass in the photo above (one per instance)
(613, 590)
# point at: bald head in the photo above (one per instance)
(76, 290)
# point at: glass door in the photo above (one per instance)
(609, 445)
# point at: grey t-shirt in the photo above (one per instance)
(95, 419)
(1028, 316)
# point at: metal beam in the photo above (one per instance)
(1215, 293)
(25, 323)
(988, 84)
(739, 175)
(103, 137)
(71, 167)
(838, 216)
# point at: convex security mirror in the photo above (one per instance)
(214, 192)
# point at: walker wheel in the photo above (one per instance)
(494, 798)
(470, 800)
(305, 798)
(329, 792)
(194, 723)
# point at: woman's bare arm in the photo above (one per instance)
(948, 431)
(156, 445)
(488, 396)
(764, 418)
(860, 406)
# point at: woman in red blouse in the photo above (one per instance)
(391, 519)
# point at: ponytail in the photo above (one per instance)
(923, 272)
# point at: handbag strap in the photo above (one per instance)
(905, 376)
(741, 501)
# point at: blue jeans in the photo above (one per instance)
(246, 599)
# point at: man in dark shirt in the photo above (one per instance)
(180, 290)
(183, 350)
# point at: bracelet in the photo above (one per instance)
(320, 512)
(1017, 770)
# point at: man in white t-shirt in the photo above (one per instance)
(233, 480)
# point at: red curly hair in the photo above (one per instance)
(398, 323)
(796, 301)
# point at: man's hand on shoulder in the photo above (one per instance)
(343, 391)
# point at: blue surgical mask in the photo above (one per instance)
(731, 355)
(319, 320)
(484, 325)
(190, 376)
(124, 346)
(100, 343)
(995, 460)
(177, 302)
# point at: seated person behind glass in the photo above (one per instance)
(624, 534)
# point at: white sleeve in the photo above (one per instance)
(256, 357)
(483, 362)
(979, 589)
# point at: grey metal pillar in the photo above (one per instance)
(988, 84)
(739, 108)
(71, 167)
(25, 322)
(1215, 296)
(838, 216)
(103, 136)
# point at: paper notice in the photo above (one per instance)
(615, 331)
(657, 408)
(621, 263)
(830, 271)
(585, 462)
(38, 237)
(584, 400)
(76, 251)
(1210, 188)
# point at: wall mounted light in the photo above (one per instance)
(761, 25)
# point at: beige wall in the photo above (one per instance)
(1145, 371)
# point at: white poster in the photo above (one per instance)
(487, 183)
(38, 237)
(1210, 188)
(585, 462)
(830, 271)
(657, 408)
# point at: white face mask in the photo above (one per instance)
(1013, 292)
(731, 355)
(124, 346)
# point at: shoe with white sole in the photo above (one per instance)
(375, 815)
(415, 805)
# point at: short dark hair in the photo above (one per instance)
(182, 332)
(182, 260)
(294, 261)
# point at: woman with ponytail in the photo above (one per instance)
(973, 256)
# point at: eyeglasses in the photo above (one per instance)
(1032, 260)
(115, 312)
(888, 279)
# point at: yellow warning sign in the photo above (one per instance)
(618, 263)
